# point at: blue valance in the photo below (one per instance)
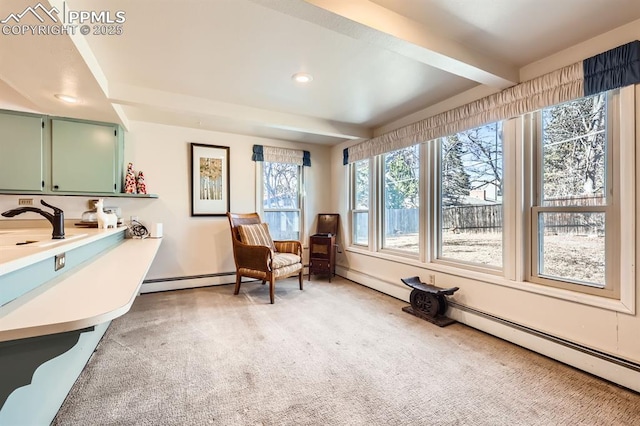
(258, 153)
(612, 69)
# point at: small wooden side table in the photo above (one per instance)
(322, 255)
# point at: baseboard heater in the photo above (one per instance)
(193, 277)
(188, 277)
(584, 349)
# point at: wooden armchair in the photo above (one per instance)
(257, 256)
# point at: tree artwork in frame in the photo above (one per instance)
(209, 180)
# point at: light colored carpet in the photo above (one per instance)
(334, 354)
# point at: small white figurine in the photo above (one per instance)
(105, 220)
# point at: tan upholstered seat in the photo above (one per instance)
(258, 256)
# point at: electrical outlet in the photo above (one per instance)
(432, 279)
(25, 201)
(60, 261)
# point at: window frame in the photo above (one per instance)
(353, 210)
(518, 188)
(381, 214)
(260, 170)
(611, 209)
(435, 224)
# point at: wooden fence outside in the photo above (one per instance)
(489, 218)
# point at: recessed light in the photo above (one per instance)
(67, 98)
(301, 77)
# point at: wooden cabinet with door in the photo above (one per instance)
(322, 246)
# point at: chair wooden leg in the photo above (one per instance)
(300, 278)
(272, 287)
(238, 279)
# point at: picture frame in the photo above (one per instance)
(210, 180)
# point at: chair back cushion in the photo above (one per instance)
(256, 235)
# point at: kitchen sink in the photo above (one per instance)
(22, 238)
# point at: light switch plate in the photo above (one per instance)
(60, 260)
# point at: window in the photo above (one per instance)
(282, 199)
(573, 216)
(543, 202)
(401, 199)
(469, 224)
(360, 199)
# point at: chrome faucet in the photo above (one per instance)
(56, 219)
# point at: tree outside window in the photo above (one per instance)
(281, 199)
(470, 213)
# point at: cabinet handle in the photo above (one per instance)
(55, 187)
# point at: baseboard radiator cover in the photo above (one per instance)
(609, 367)
(187, 281)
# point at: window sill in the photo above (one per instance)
(626, 306)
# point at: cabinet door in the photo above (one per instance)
(84, 157)
(22, 150)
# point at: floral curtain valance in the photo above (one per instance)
(614, 68)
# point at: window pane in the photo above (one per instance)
(361, 185)
(572, 247)
(361, 228)
(283, 225)
(471, 196)
(574, 151)
(401, 186)
(281, 186)
(281, 200)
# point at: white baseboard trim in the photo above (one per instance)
(397, 290)
(180, 283)
(563, 351)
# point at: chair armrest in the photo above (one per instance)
(292, 246)
(252, 257)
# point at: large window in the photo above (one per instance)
(470, 197)
(573, 216)
(401, 199)
(360, 199)
(544, 202)
(282, 200)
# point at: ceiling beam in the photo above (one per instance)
(367, 21)
(124, 94)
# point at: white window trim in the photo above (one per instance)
(352, 202)
(434, 224)
(620, 297)
(259, 191)
(517, 135)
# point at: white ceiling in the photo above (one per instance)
(226, 65)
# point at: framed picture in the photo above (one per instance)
(209, 180)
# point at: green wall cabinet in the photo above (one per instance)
(55, 155)
(85, 157)
(22, 151)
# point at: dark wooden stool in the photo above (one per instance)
(428, 301)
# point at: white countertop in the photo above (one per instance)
(100, 290)
(13, 257)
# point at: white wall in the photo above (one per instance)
(611, 332)
(193, 245)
